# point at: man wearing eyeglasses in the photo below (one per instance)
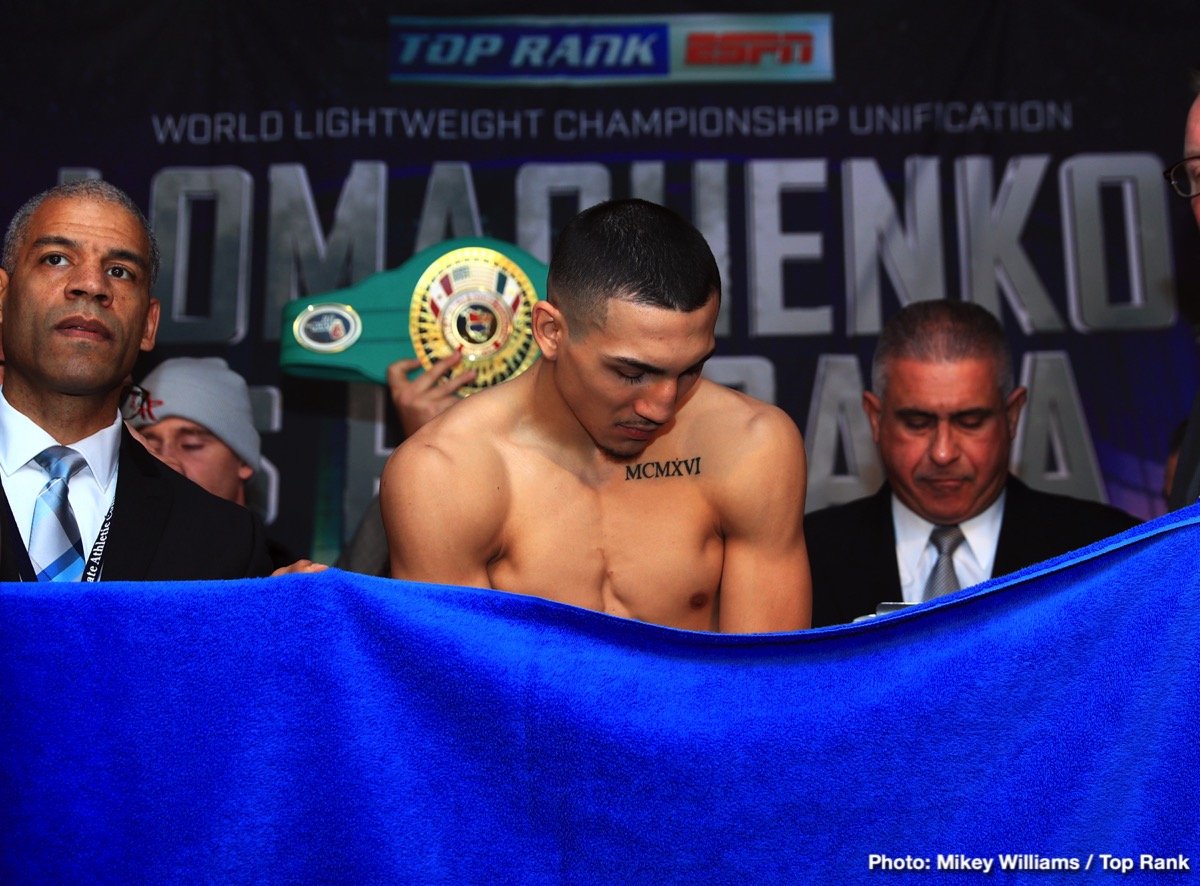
(1184, 177)
(81, 499)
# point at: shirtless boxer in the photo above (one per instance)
(611, 475)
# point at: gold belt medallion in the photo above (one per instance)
(478, 302)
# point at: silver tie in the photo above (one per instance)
(943, 579)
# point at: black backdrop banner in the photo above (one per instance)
(840, 163)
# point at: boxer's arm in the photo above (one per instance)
(765, 582)
(439, 515)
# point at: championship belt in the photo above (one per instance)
(472, 295)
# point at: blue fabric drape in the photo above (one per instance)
(338, 728)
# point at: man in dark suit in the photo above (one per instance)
(943, 412)
(81, 498)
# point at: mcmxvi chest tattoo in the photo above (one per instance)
(653, 470)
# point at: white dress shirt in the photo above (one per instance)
(915, 553)
(91, 490)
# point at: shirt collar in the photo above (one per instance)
(982, 532)
(21, 439)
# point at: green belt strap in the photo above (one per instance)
(473, 294)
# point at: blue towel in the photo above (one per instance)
(339, 728)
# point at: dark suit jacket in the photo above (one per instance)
(164, 528)
(852, 547)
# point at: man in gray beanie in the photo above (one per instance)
(196, 416)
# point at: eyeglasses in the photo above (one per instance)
(1184, 177)
(135, 402)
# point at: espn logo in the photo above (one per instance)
(749, 48)
(598, 50)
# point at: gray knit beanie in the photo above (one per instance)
(204, 390)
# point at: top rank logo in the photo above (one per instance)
(527, 50)
(611, 49)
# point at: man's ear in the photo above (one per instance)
(1012, 410)
(244, 471)
(549, 328)
(873, 407)
(150, 329)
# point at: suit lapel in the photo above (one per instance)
(13, 556)
(1015, 507)
(880, 573)
(885, 543)
(139, 513)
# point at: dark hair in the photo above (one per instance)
(633, 250)
(942, 331)
(86, 189)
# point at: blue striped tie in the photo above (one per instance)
(54, 546)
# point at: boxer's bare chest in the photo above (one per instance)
(640, 540)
